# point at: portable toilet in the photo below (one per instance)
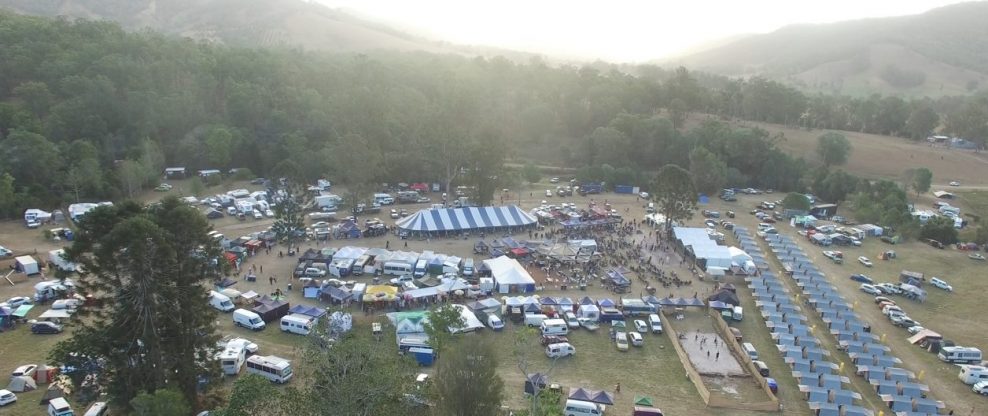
(424, 356)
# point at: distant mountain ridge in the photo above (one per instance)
(239, 22)
(941, 52)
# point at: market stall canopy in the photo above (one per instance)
(380, 293)
(55, 314)
(643, 401)
(461, 219)
(606, 303)
(308, 311)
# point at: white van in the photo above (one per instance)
(650, 208)
(534, 320)
(296, 324)
(560, 349)
(971, 374)
(59, 407)
(248, 319)
(97, 409)
(494, 322)
(582, 408)
(421, 267)
(655, 323)
(468, 267)
(220, 301)
(963, 355)
(750, 350)
(554, 327)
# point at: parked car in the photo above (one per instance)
(16, 301)
(937, 282)
(864, 260)
(862, 278)
(258, 215)
(869, 289)
(934, 243)
(314, 272)
(888, 288)
(163, 188)
(641, 326)
(571, 320)
(214, 214)
(915, 329)
(394, 214)
(25, 370)
(269, 213)
(880, 299)
(621, 340)
(954, 183)
(7, 397)
(45, 327)
(890, 310)
(636, 338)
(548, 193)
(400, 280)
(981, 388)
(643, 195)
(904, 321)
(976, 256)
(554, 180)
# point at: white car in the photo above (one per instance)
(955, 183)
(25, 370)
(937, 282)
(5, 252)
(643, 195)
(571, 320)
(269, 213)
(621, 339)
(864, 260)
(554, 180)
(640, 326)
(16, 301)
(400, 280)
(980, 387)
(548, 193)
(394, 214)
(915, 329)
(7, 397)
(869, 289)
(636, 338)
(258, 215)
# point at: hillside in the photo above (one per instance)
(237, 22)
(940, 52)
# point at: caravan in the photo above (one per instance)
(220, 301)
(972, 374)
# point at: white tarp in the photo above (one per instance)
(470, 321)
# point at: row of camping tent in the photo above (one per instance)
(826, 391)
(897, 387)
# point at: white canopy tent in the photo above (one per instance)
(510, 276)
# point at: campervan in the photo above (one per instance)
(960, 355)
(468, 267)
(276, 369)
(59, 407)
(971, 374)
(248, 319)
(582, 408)
(421, 266)
(534, 320)
(220, 301)
(554, 327)
(749, 349)
(397, 268)
(296, 324)
(232, 358)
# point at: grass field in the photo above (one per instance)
(883, 157)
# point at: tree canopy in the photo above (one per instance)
(833, 149)
(675, 194)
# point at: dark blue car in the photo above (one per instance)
(861, 278)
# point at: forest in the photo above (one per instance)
(89, 111)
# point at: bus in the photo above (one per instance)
(276, 369)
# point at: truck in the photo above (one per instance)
(327, 202)
(591, 188)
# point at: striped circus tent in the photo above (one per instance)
(466, 219)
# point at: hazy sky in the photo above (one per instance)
(615, 30)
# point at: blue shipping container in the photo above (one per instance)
(624, 189)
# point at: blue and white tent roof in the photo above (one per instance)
(456, 219)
